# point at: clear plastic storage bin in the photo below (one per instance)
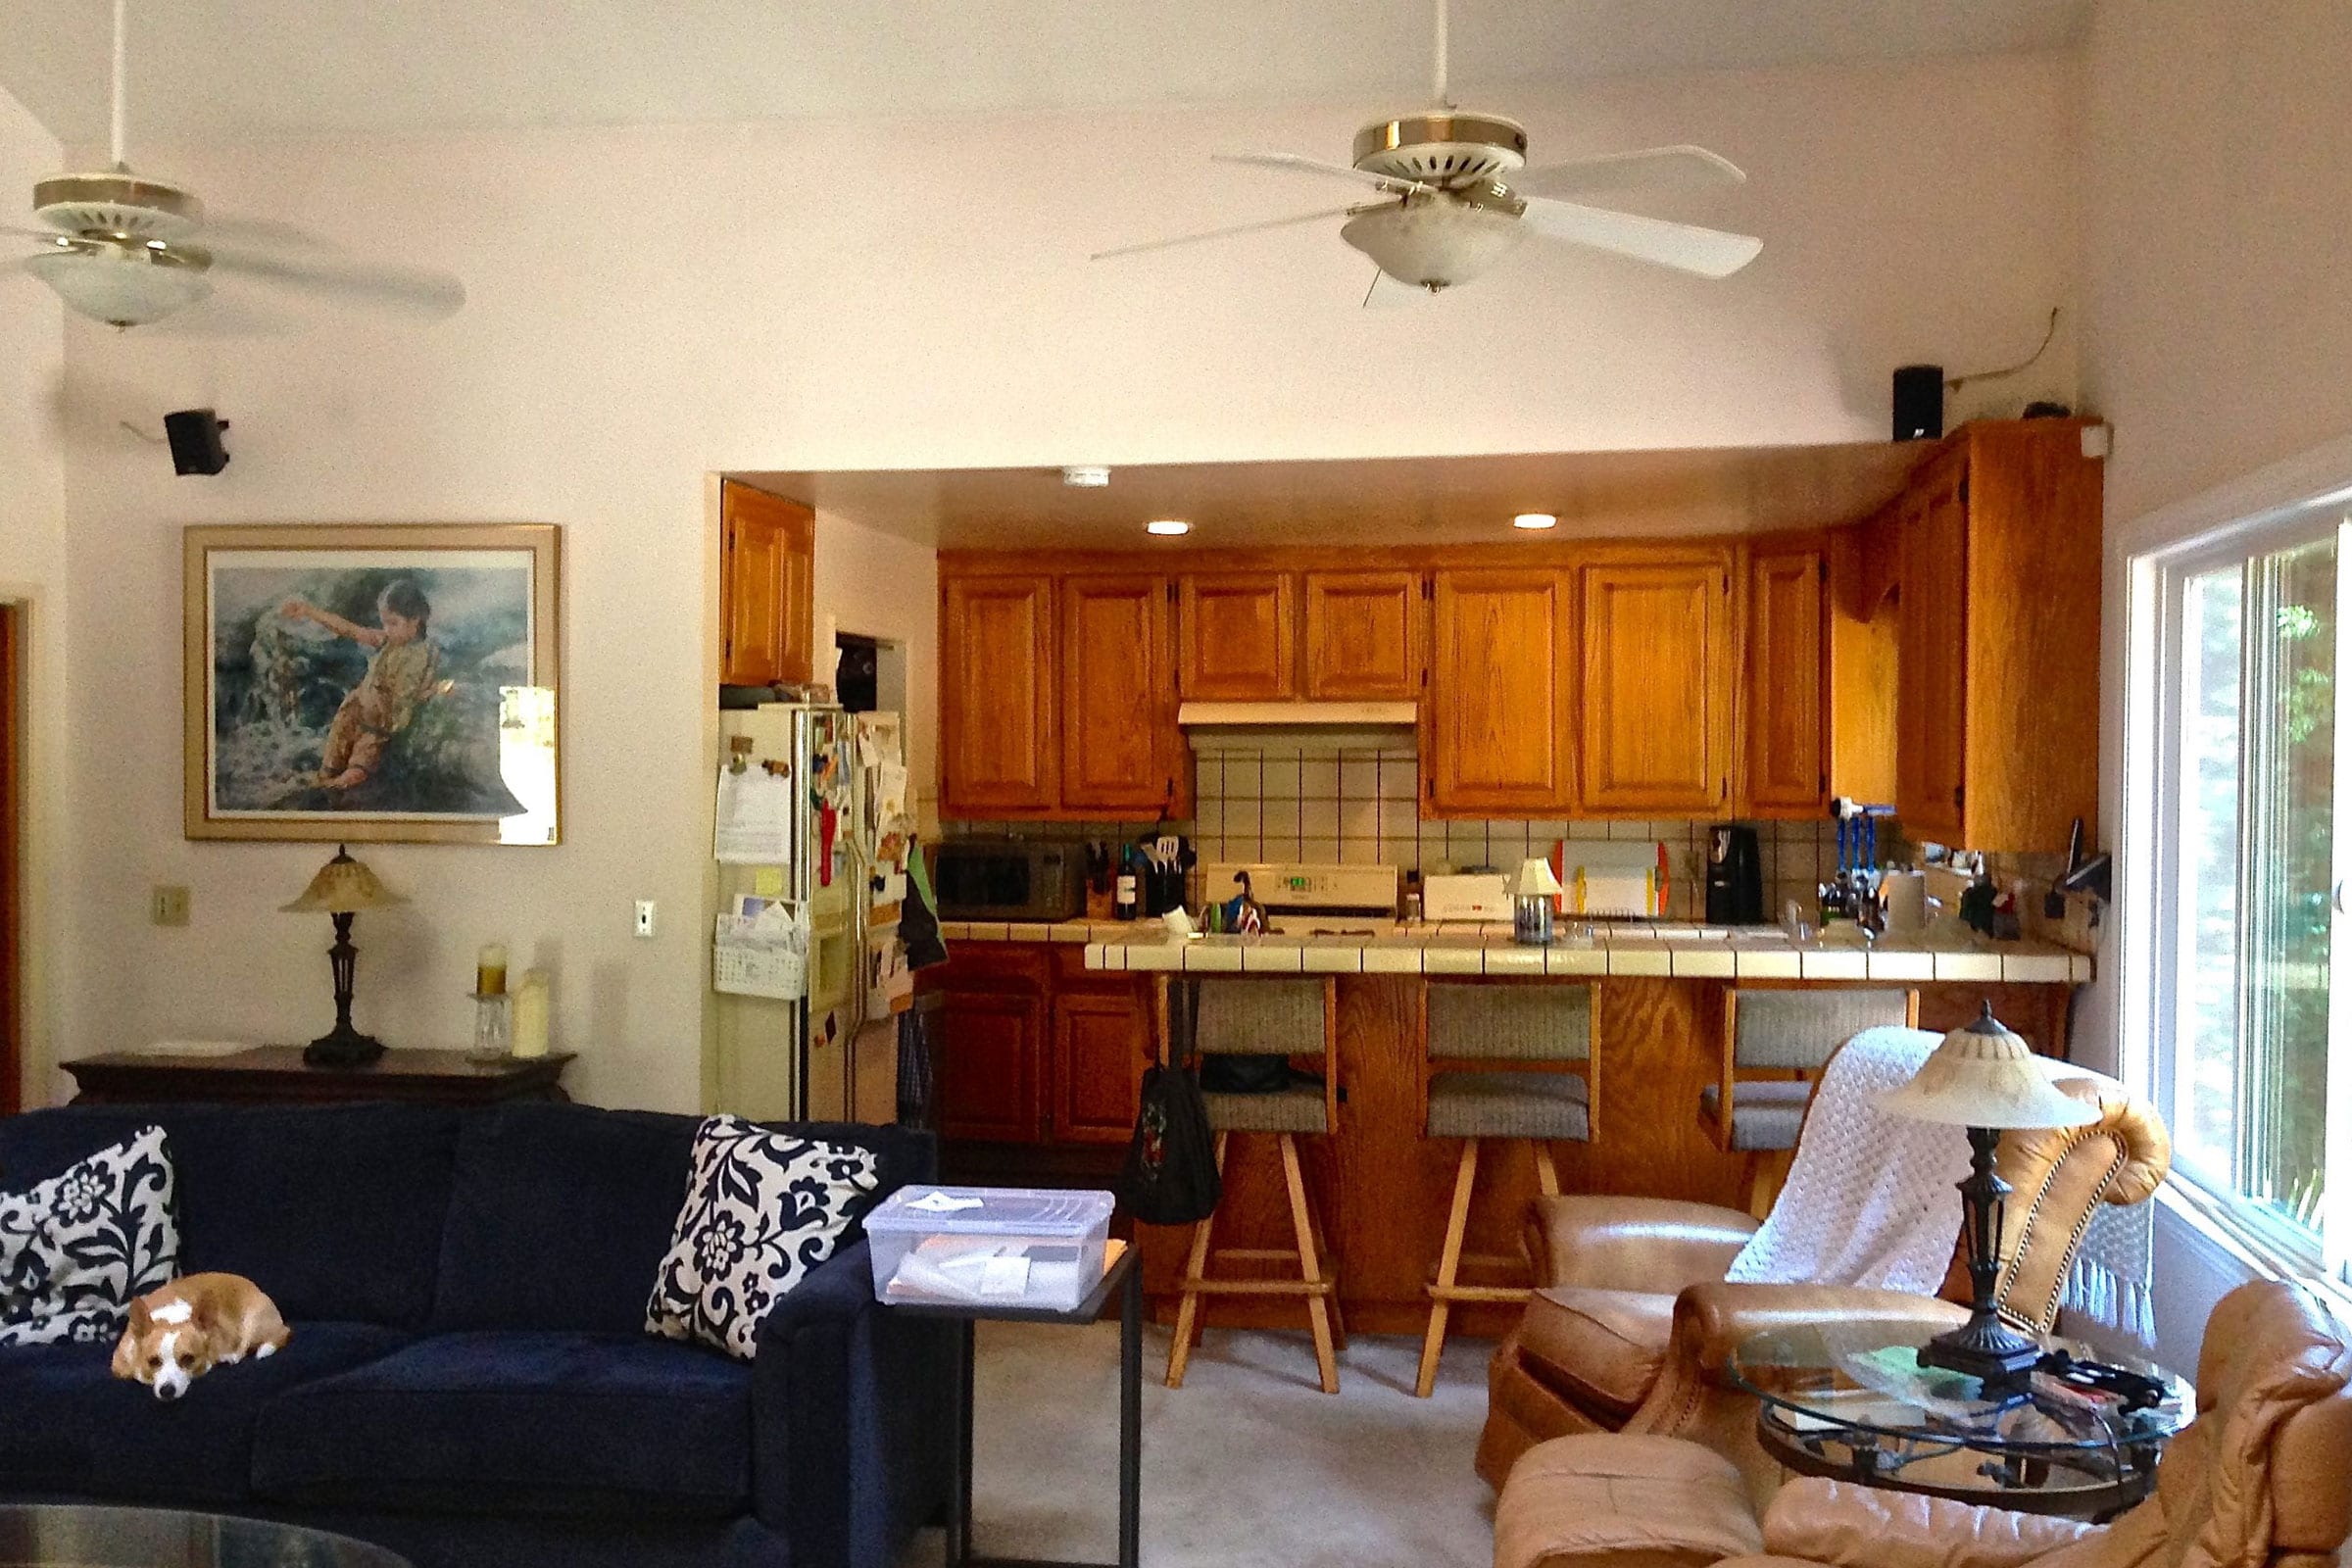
(1006, 1246)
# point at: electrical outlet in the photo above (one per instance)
(644, 917)
(167, 905)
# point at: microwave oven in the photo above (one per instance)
(1009, 879)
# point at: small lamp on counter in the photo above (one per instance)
(1986, 1079)
(1531, 907)
(343, 888)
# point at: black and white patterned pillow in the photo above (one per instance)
(77, 1249)
(762, 1210)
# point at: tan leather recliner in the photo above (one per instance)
(2261, 1479)
(1634, 1323)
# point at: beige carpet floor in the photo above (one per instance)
(1249, 1465)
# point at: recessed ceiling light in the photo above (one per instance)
(1168, 526)
(1534, 519)
(1085, 479)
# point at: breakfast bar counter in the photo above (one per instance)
(1382, 1186)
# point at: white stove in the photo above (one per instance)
(1309, 900)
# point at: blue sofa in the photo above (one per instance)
(468, 1380)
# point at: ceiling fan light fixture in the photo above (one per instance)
(1535, 521)
(1168, 528)
(121, 285)
(1433, 245)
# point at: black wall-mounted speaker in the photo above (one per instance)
(196, 441)
(1919, 403)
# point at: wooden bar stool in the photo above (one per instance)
(1774, 1043)
(1504, 1059)
(1260, 1018)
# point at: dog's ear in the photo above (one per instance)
(125, 1348)
(142, 1319)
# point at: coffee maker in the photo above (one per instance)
(1735, 876)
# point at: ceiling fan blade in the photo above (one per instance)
(1298, 165)
(1649, 167)
(1707, 252)
(409, 290)
(1223, 234)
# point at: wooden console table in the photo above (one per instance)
(275, 1075)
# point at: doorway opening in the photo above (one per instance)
(12, 859)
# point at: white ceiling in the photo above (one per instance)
(202, 68)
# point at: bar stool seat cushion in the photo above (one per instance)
(1623, 1501)
(1766, 1114)
(1604, 1346)
(1295, 1110)
(1508, 1104)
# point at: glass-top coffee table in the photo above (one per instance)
(1849, 1401)
(90, 1536)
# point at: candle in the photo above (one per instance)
(530, 1015)
(490, 972)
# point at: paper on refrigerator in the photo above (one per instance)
(754, 818)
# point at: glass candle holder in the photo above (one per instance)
(493, 1026)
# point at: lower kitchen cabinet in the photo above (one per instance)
(1037, 1050)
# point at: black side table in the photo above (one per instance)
(1122, 1275)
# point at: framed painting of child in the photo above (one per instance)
(372, 682)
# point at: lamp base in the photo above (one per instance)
(345, 1047)
(1984, 1348)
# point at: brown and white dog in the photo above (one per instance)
(183, 1329)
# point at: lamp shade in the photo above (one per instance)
(121, 285)
(343, 886)
(1983, 1075)
(1535, 880)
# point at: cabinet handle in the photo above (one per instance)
(1959, 794)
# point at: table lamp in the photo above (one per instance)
(342, 888)
(1986, 1079)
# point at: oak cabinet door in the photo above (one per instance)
(989, 1085)
(1500, 668)
(1236, 636)
(1363, 636)
(1655, 733)
(766, 587)
(995, 696)
(1119, 745)
(1932, 671)
(1102, 1043)
(1788, 680)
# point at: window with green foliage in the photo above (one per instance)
(2253, 1060)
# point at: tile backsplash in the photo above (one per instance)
(1361, 807)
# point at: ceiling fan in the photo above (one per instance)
(1455, 197)
(127, 249)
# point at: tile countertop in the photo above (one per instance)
(1754, 953)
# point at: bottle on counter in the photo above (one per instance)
(1124, 903)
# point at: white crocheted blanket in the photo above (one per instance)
(1870, 1199)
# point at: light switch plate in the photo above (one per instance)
(644, 917)
(167, 905)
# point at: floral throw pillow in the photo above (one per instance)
(762, 1208)
(77, 1249)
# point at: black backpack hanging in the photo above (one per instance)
(1171, 1174)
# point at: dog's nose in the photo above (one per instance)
(166, 1391)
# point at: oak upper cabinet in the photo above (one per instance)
(1931, 669)
(1363, 636)
(1236, 631)
(1997, 687)
(1655, 737)
(1502, 666)
(998, 751)
(1120, 748)
(1786, 743)
(766, 588)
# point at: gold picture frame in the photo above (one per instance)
(327, 696)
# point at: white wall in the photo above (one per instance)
(648, 306)
(32, 575)
(2217, 333)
